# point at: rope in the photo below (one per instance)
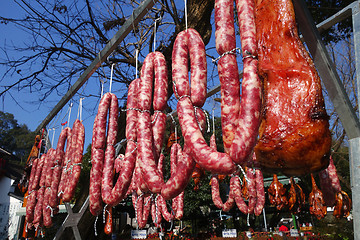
(186, 23)
(136, 62)
(232, 51)
(95, 225)
(111, 76)
(104, 213)
(68, 123)
(158, 19)
(243, 172)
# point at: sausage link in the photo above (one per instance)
(260, 192)
(252, 189)
(230, 98)
(179, 200)
(95, 203)
(31, 192)
(188, 43)
(158, 131)
(46, 211)
(207, 158)
(38, 212)
(230, 202)
(107, 103)
(77, 153)
(66, 164)
(249, 116)
(32, 199)
(179, 177)
(146, 159)
(154, 64)
(239, 200)
(163, 208)
(224, 26)
(215, 192)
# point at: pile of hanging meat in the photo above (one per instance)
(277, 124)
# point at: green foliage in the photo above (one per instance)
(15, 138)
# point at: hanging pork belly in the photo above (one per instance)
(294, 135)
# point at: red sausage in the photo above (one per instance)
(31, 202)
(66, 164)
(215, 192)
(179, 177)
(260, 192)
(146, 157)
(239, 200)
(228, 69)
(65, 136)
(207, 158)
(188, 43)
(107, 103)
(77, 153)
(249, 116)
(250, 173)
(31, 192)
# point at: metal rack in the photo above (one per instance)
(72, 220)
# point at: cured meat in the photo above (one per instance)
(78, 138)
(296, 197)
(277, 194)
(329, 183)
(316, 201)
(260, 192)
(294, 135)
(342, 205)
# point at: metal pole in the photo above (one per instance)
(136, 16)
(355, 143)
(266, 229)
(327, 70)
(338, 95)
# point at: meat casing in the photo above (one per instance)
(77, 153)
(294, 135)
(97, 154)
(30, 205)
(189, 43)
(47, 221)
(65, 135)
(154, 64)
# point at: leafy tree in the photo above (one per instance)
(15, 138)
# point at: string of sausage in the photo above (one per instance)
(108, 103)
(189, 43)
(74, 170)
(240, 120)
(47, 221)
(65, 135)
(31, 201)
(151, 133)
(154, 65)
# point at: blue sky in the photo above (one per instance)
(32, 114)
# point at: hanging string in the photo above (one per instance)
(158, 19)
(102, 87)
(175, 126)
(53, 136)
(136, 62)
(68, 123)
(95, 224)
(79, 114)
(111, 76)
(186, 23)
